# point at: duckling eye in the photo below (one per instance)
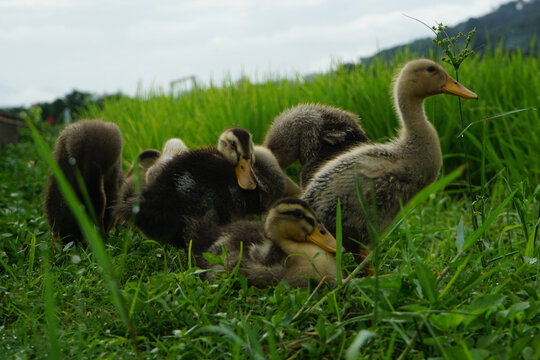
(431, 68)
(233, 145)
(310, 221)
(295, 213)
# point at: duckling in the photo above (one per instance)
(150, 162)
(212, 185)
(267, 163)
(312, 134)
(171, 148)
(292, 245)
(94, 148)
(389, 174)
(145, 161)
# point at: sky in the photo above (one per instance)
(50, 47)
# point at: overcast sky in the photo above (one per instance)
(50, 47)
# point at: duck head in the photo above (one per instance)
(236, 145)
(291, 223)
(421, 78)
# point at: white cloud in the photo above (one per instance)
(55, 46)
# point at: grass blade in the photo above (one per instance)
(492, 217)
(425, 277)
(50, 311)
(32, 254)
(493, 117)
(353, 352)
(460, 238)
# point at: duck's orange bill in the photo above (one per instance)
(323, 239)
(243, 174)
(455, 88)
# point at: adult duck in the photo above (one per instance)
(391, 173)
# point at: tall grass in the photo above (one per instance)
(504, 82)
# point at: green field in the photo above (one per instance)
(442, 289)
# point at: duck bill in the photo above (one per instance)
(243, 174)
(455, 88)
(325, 241)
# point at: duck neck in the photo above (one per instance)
(417, 133)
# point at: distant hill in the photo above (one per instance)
(514, 25)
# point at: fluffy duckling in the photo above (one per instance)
(171, 148)
(290, 245)
(312, 134)
(145, 161)
(210, 185)
(94, 148)
(389, 174)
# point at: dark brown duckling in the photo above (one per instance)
(210, 185)
(172, 147)
(94, 148)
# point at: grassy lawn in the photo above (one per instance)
(444, 288)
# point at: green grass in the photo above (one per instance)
(443, 290)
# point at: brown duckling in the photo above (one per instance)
(94, 148)
(145, 161)
(211, 185)
(290, 245)
(312, 134)
(389, 174)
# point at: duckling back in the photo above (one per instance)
(94, 148)
(312, 134)
(385, 179)
(194, 186)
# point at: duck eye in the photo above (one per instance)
(310, 221)
(295, 213)
(431, 68)
(233, 144)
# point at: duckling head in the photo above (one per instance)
(291, 223)
(421, 78)
(236, 145)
